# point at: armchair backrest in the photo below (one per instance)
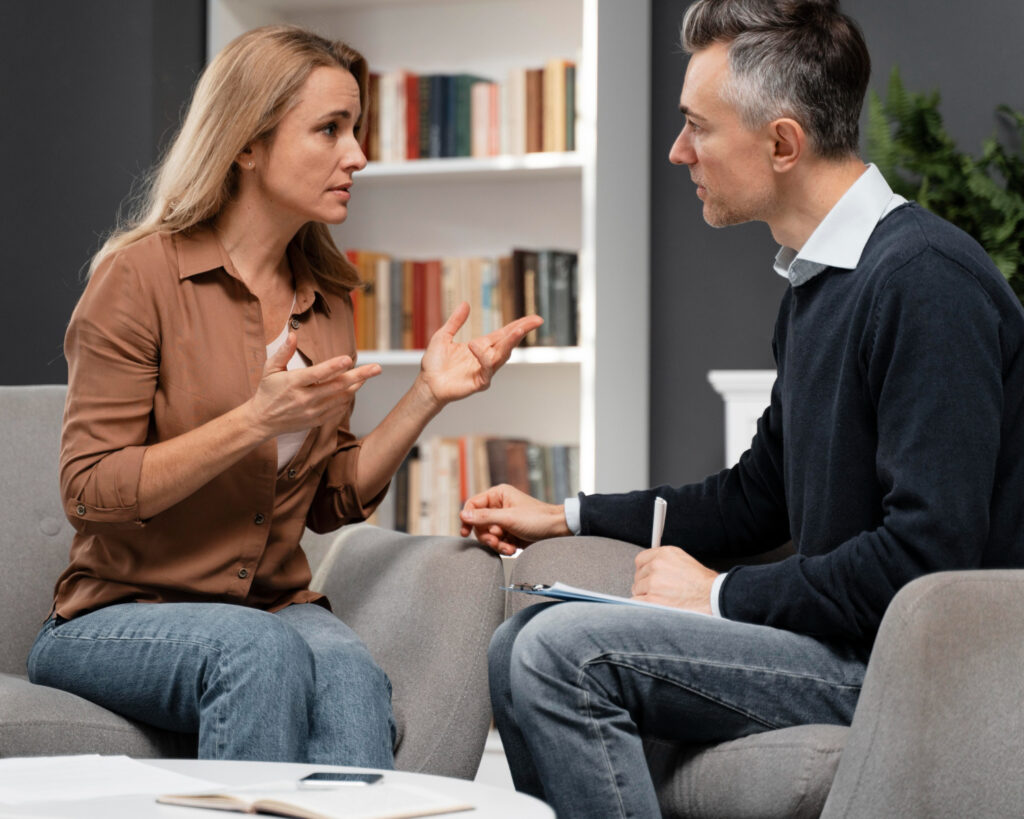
(34, 534)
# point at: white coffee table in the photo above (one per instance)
(491, 802)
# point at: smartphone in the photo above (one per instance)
(330, 779)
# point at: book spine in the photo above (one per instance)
(480, 118)
(563, 322)
(396, 320)
(382, 285)
(449, 137)
(534, 110)
(412, 116)
(425, 87)
(545, 334)
(437, 95)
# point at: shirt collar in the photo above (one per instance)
(200, 251)
(839, 239)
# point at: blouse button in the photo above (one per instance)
(292, 472)
(80, 509)
(294, 323)
(243, 573)
(258, 520)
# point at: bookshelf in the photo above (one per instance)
(593, 200)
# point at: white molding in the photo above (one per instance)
(746, 394)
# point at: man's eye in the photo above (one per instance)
(693, 126)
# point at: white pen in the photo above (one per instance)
(660, 507)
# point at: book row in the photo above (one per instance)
(440, 474)
(403, 302)
(414, 116)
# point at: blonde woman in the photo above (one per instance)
(211, 381)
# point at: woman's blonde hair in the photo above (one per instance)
(241, 97)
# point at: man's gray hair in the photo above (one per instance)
(802, 59)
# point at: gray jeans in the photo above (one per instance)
(577, 686)
(294, 686)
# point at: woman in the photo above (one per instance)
(211, 381)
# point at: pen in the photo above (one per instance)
(660, 507)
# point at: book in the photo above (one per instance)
(562, 303)
(554, 131)
(534, 110)
(413, 119)
(513, 110)
(382, 801)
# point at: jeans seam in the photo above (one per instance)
(609, 660)
(595, 723)
(625, 658)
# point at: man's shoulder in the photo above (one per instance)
(910, 231)
(914, 246)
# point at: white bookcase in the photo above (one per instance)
(593, 200)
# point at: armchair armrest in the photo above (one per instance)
(595, 563)
(426, 607)
(939, 728)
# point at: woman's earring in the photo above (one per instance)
(251, 164)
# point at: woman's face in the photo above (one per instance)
(304, 169)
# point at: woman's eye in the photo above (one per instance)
(330, 129)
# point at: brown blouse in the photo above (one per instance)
(165, 338)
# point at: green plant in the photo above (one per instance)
(984, 195)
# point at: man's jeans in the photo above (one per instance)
(296, 685)
(575, 687)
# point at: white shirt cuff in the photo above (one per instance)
(715, 590)
(572, 515)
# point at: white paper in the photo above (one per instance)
(24, 780)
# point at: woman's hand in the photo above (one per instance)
(506, 519)
(290, 401)
(451, 371)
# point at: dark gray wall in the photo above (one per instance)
(713, 292)
(89, 88)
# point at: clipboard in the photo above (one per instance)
(563, 591)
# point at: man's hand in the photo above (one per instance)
(506, 519)
(669, 576)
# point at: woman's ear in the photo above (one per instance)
(245, 159)
(790, 142)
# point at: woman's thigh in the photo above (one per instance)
(155, 662)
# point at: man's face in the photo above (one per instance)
(730, 164)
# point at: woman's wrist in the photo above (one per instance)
(424, 396)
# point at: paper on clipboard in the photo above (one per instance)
(563, 591)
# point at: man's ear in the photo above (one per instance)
(790, 142)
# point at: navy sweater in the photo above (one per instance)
(893, 445)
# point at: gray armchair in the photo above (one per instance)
(425, 606)
(938, 731)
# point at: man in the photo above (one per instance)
(892, 447)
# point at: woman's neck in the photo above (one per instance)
(256, 244)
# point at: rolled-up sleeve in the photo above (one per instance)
(112, 349)
(337, 499)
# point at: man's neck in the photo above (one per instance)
(808, 194)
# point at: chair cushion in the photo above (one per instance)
(785, 773)
(36, 720)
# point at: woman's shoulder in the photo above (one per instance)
(150, 253)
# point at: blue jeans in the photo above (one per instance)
(576, 687)
(293, 686)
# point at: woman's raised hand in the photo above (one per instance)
(453, 370)
(292, 400)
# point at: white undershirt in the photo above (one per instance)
(289, 443)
